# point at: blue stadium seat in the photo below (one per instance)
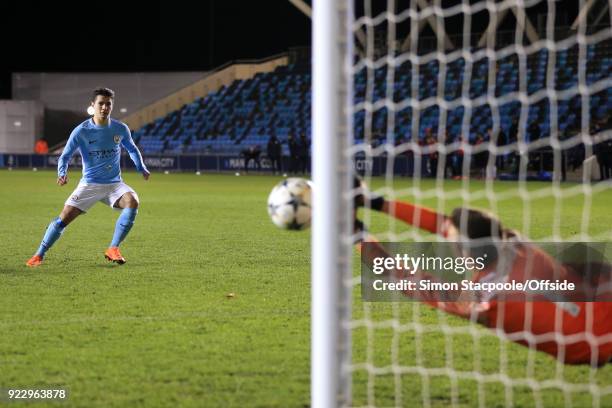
(249, 111)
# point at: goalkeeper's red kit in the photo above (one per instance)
(576, 332)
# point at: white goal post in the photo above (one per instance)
(331, 174)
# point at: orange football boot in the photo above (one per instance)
(36, 260)
(113, 255)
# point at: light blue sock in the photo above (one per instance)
(124, 225)
(54, 231)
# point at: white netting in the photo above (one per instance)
(447, 104)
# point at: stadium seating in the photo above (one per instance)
(248, 111)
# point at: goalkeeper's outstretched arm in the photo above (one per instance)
(465, 310)
(418, 216)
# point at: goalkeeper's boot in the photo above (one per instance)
(114, 255)
(34, 261)
(375, 201)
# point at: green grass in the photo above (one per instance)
(161, 330)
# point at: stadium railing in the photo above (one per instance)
(540, 165)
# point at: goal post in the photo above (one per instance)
(331, 220)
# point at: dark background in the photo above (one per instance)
(161, 35)
(171, 35)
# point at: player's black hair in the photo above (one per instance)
(475, 224)
(104, 92)
(479, 230)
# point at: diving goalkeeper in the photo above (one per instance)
(574, 331)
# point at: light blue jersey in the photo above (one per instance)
(99, 147)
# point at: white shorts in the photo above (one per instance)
(86, 195)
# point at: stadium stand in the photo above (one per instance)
(243, 114)
(248, 112)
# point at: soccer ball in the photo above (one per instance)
(289, 204)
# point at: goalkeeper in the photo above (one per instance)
(575, 332)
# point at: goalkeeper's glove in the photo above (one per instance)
(359, 231)
(376, 201)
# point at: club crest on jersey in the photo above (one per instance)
(117, 138)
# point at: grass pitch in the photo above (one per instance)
(163, 329)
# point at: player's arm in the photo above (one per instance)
(62, 163)
(466, 309)
(461, 308)
(128, 143)
(416, 215)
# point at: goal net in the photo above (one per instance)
(497, 105)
